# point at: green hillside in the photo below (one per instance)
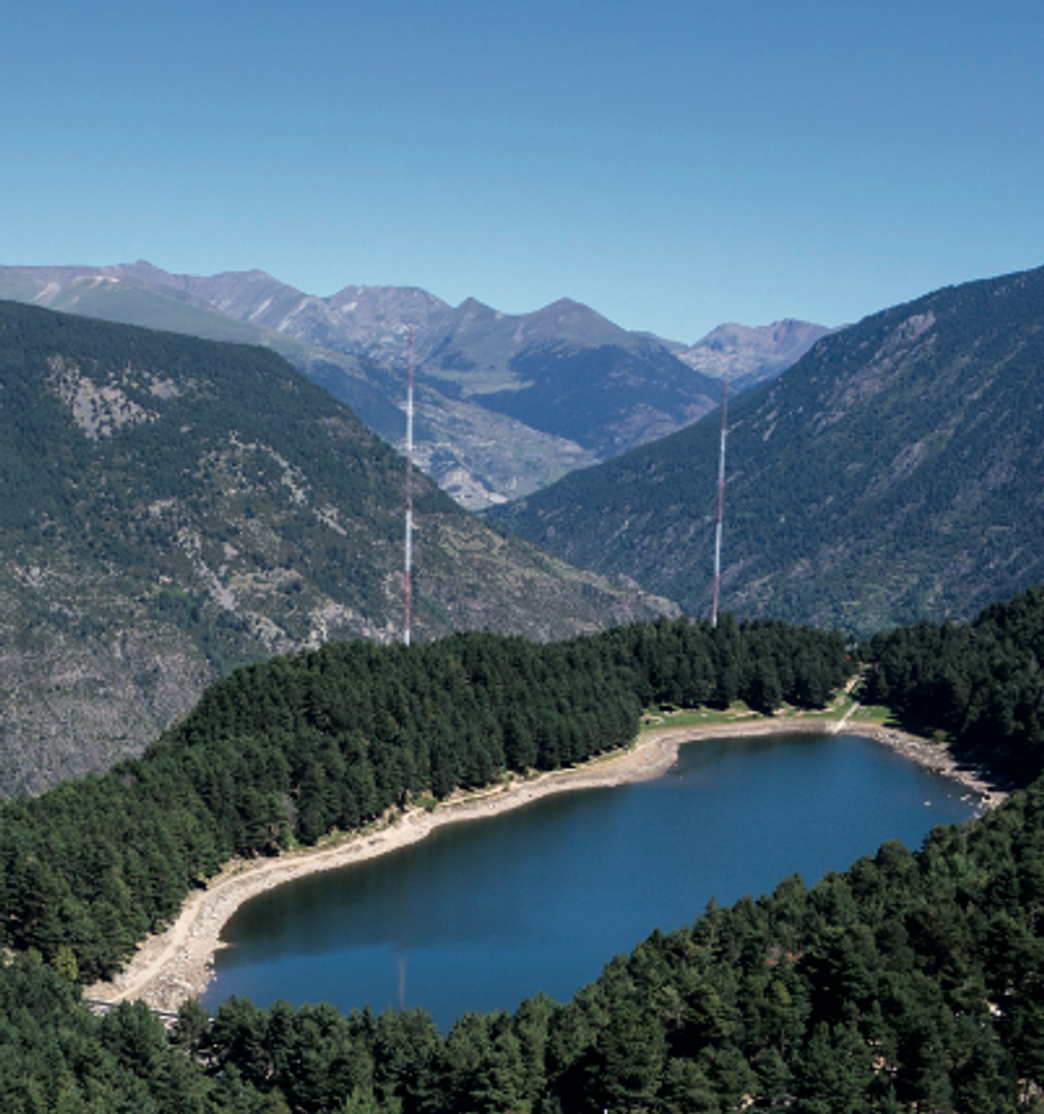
(175, 507)
(893, 473)
(475, 453)
(606, 398)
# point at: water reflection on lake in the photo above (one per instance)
(483, 914)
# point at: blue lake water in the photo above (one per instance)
(483, 914)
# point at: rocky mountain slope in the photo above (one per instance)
(747, 356)
(611, 389)
(506, 404)
(174, 507)
(893, 473)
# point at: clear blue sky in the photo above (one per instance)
(674, 165)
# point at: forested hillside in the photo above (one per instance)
(978, 684)
(463, 446)
(175, 507)
(892, 474)
(909, 982)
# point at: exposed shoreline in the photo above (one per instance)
(179, 963)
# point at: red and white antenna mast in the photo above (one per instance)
(409, 494)
(721, 501)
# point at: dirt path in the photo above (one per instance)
(840, 723)
(178, 963)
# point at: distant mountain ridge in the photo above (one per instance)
(618, 389)
(891, 474)
(175, 507)
(747, 356)
(506, 403)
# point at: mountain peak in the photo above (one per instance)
(745, 355)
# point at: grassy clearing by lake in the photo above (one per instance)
(654, 719)
(876, 714)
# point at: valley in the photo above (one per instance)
(522, 559)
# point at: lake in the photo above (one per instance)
(487, 912)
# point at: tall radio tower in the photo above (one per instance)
(721, 501)
(409, 494)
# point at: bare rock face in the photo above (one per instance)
(76, 707)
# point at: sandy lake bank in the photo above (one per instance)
(178, 963)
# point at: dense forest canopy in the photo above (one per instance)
(979, 684)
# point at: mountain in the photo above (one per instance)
(128, 295)
(174, 507)
(476, 455)
(892, 474)
(747, 356)
(610, 389)
(473, 351)
(506, 404)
